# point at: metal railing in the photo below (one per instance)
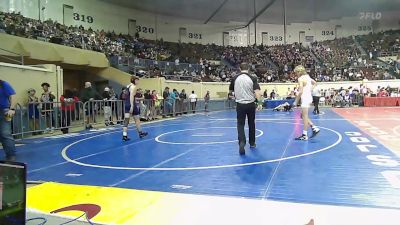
(45, 118)
(106, 112)
(173, 107)
(131, 64)
(39, 117)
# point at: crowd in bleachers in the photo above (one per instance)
(337, 53)
(385, 43)
(334, 60)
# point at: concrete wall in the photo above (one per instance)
(24, 77)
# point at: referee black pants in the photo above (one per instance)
(316, 104)
(242, 111)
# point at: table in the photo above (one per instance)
(381, 101)
(270, 104)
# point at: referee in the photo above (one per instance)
(247, 92)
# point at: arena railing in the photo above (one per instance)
(71, 116)
(39, 118)
(131, 62)
(107, 112)
(173, 107)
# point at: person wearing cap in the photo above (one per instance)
(107, 106)
(7, 109)
(33, 111)
(247, 92)
(306, 86)
(132, 107)
(47, 99)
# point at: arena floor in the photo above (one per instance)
(188, 171)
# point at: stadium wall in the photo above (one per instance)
(24, 77)
(110, 17)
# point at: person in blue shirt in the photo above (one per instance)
(7, 108)
(172, 100)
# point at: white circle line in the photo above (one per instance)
(395, 130)
(157, 139)
(65, 156)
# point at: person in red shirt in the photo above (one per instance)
(68, 101)
(383, 93)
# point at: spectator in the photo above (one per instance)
(33, 111)
(88, 97)
(107, 106)
(7, 106)
(149, 104)
(167, 104)
(206, 101)
(193, 101)
(265, 95)
(183, 101)
(272, 95)
(156, 104)
(347, 99)
(68, 101)
(47, 99)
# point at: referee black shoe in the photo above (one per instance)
(254, 145)
(241, 149)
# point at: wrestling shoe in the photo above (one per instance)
(315, 131)
(143, 134)
(125, 138)
(302, 138)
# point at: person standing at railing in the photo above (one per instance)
(33, 111)
(183, 100)
(167, 105)
(77, 112)
(114, 105)
(172, 101)
(68, 104)
(107, 107)
(156, 103)
(132, 107)
(47, 99)
(149, 105)
(88, 95)
(177, 102)
(193, 101)
(7, 107)
(206, 101)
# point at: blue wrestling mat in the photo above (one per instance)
(199, 154)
